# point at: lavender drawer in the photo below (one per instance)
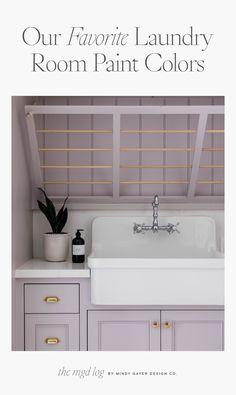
(52, 298)
(51, 332)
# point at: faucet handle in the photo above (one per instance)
(135, 227)
(175, 228)
(171, 228)
(138, 228)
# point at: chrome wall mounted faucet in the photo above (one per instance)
(170, 228)
(155, 205)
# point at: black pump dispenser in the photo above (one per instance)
(78, 248)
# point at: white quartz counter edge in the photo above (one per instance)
(39, 268)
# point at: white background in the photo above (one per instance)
(197, 372)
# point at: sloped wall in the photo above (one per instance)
(22, 229)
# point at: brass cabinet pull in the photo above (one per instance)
(51, 299)
(155, 324)
(52, 340)
(167, 325)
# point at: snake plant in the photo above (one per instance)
(56, 220)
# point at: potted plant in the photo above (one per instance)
(56, 243)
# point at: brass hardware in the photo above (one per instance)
(155, 324)
(167, 325)
(52, 340)
(51, 299)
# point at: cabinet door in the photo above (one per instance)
(51, 332)
(192, 330)
(123, 330)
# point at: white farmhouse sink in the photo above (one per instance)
(155, 268)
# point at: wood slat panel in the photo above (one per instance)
(129, 149)
(72, 131)
(170, 131)
(77, 167)
(76, 182)
(75, 149)
(156, 149)
(170, 182)
(170, 167)
(172, 149)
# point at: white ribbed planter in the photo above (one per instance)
(56, 246)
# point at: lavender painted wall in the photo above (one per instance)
(22, 230)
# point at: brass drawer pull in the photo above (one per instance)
(155, 324)
(51, 299)
(167, 325)
(52, 340)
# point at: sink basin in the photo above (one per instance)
(156, 268)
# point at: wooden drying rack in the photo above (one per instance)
(116, 132)
(131, 131)
(59, 182)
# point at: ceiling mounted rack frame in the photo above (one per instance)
(116, 132)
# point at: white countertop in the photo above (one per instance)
(39, 268)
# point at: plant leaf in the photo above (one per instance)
(50, 207)
(60, 212)
(49, 203)
(62, 222)
(65, 201)
(57, 221)
(45, 211)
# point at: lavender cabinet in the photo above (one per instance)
(123, 330)
(52, 317)
(174, 330)
(51, 332)
(60, 317)
(192, 331)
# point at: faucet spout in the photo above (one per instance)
(170, 228)
(155, 201)
(155, 205)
